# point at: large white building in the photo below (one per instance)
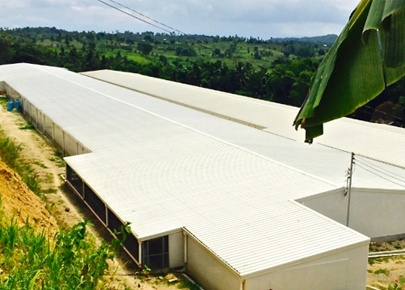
(215, 183)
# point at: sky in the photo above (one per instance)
(247, 18)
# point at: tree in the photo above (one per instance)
(368, 56)
(216, 53)
(144, 48)
(5, 51)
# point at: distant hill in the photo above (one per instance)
(277, 69)
(325, 39)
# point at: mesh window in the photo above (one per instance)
(74, 180)
(156, 253)
(95, 203)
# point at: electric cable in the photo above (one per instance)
(131, 15)
(171, 32)
(399, 184)
(380, 170)
(143, 15)
(147, 22)
(385, 113)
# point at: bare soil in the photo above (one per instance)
(382, 272)
(60, 207)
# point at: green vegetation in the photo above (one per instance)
(71, 260)
(398, 284)
(50, 190)
(187, 285)
(39, 163)
(10, 154)
(27, 127)
(382, 271)
(365, 59)
(58, 159)
(380, 260)
(278, 70)
(264, 69)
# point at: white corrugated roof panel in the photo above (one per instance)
(267, 235)
(367, 139)
(320, 161)
(172, 167)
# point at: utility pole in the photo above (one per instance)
(349, 187)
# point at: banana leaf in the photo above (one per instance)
(368, 56)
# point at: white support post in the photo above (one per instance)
(185, 237)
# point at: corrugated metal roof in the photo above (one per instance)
(364, 138)
(171, 167)
(267, 234)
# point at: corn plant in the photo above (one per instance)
(71, 260)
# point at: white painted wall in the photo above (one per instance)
(209, 272)
(377, 213)
(346, 269)
(331, 204)
(70, 145)
(341, 269)
(2, 86)
(58, 138)
(374, 213)
(176, 250)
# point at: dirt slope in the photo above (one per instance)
(19, 202)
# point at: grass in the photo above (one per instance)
(3, 102)
(10, 154)
(398, 284)
(382, 271)
(40, 164)
(137, 58)
(50, 190)
(27, 127)
(187, 285)
(58, 159)
(71, 260)
(373, 261)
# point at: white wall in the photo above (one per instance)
(48, 129)
(331, 204)
(176, 250)
(40, 122)
(207, 270)
(374, 213)
(62, 141)
(2, 86)
(377, 214)
(341, 270)
(58, 138)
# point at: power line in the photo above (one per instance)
(147, 22)
(131, 15)
(364, 168)
(381, 170)
(384, 113)
(143, 15)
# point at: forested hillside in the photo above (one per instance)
(276, 70)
